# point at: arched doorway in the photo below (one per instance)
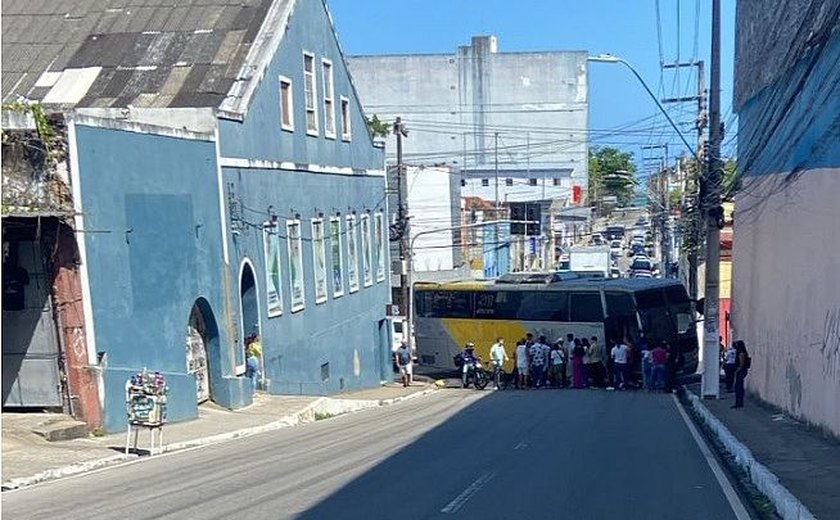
(249, 311)
(202, 335)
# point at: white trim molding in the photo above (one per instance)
(79, 225)
(268, 164)
(290, 106)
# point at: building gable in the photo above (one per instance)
(253, 128)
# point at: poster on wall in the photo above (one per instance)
(378, 249)
(335, 248)
(273, 292)
(295, 264)
(352, 255)
(367, 272)
(319, 260)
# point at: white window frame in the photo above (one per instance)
(367, 250)
(344, 107)
(352, 259)
(306, 79)
(297, 305)
(271, 246)
(379, 222)
(335, 245)
(290, 126)
(329, 98)
(319, 275)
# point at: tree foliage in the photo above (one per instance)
(378, 128)
(611, 173)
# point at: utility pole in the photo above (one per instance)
(694, 185)
(496, 136)
(402, 219)
(710, 383)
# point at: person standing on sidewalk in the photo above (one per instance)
(253, 353)
(402, 357)
(498, 357)
(729, 366)
(743, 366)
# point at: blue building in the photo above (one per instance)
(225, 183)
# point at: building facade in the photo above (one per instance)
(786, 240)
(224, 183)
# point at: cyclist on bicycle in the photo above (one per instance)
(498, 357)
(469, 358)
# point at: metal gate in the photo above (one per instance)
(31, 376)
(197, 355)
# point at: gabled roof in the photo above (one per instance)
(143, 53)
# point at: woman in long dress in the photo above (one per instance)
(578, 375)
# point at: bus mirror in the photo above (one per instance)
(684, 322)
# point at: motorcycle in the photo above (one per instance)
(476, 373)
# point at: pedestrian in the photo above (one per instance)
(522, 364)
(498, 357)
(729, 366)
(536, 355)
(253, 353)
(578, 377)
(569, 348)
(402, 357)
(658, 357)
(594, 362)
(619, 355)
(647, 366)
(744, 362)
(557, 371)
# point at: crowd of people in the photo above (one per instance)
(571, 362)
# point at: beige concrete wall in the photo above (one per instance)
(786, 291)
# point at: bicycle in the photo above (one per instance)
(505, 378)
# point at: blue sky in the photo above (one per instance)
(626, 28)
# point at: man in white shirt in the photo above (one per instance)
(522, 364)
(619, 354)
(539, 362)
(498, 357)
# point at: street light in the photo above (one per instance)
(609, 58)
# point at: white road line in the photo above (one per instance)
(521, 445)
(731, 496)
(465, 495)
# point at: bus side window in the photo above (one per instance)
(544, 306)
(586, 307)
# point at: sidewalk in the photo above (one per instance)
(29, 458)
(805, 462)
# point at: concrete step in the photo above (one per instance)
(61, 430)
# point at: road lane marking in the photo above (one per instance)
(459, 501)
(731, 496)
(521, 445)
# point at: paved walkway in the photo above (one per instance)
(29, 458)
(806, 462)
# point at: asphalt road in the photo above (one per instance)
(577, 454)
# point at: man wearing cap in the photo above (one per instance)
(402, 357)
(469, 362)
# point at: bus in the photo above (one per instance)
(448, 315)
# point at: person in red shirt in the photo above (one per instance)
(658, 357)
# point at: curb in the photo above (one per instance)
(787, 505)
(323, 405)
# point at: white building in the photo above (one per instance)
(519, 117)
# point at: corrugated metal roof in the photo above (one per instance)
(161, 53)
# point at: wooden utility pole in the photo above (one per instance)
(713, 212)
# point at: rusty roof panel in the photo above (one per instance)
(154, 52)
